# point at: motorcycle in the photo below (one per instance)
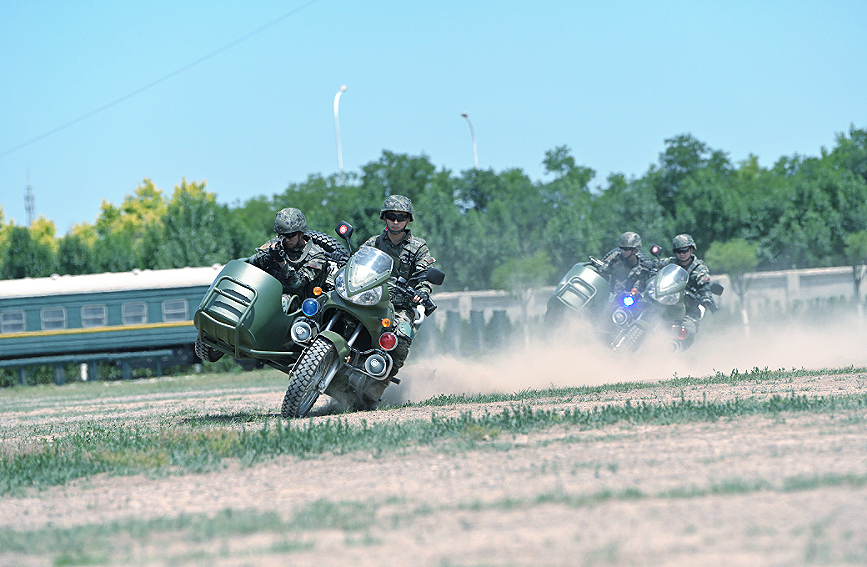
(349, 332)
(626, 320)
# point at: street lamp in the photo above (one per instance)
(473, 136)
(337, 131)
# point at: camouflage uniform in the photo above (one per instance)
(623, 277)
(411, 258)
(697, 288)
(305, 268)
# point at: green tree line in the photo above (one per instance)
(491, 229)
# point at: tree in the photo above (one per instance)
(75, 251)
(736, 258)
(195, 231)
(24, 255)
(683, 156)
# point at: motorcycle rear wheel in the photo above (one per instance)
(313, 364)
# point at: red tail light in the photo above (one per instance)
(682, 333)
(388, 341)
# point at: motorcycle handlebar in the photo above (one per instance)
(402, 286)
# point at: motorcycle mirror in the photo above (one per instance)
(345, 230)
(656, 250)
(435, 276)
(716, 289)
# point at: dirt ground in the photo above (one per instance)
(785, 490)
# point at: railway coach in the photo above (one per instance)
(120, 317)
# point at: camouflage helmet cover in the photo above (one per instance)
(290, 220)
(397, 203)
(682, 241)
(629, 240)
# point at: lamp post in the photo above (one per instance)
(337, 131)
(473, 136)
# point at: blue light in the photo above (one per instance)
(628, 301)
(310, 307)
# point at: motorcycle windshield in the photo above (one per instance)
(668, 284)
(366, 267)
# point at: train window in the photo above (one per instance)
(175, 310)
(12, 321)
(94, 316)
(53, 318)
(134, 313)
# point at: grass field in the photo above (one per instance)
(756, 468)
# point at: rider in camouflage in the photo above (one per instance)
(698, 290)
(627, 267)
(411, 258)
(298, 263)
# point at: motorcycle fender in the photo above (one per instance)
(405, 329)
(338, 341)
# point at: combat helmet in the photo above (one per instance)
(682, 241)
(290, 220)
(629, 240)
(397, 203)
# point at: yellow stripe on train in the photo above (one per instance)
(104, 329)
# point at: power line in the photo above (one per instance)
(160, 80)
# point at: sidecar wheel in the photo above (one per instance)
(206, 353)
(313, 364)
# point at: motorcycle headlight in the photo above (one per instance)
(369, 297)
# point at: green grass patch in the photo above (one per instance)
(122, 450)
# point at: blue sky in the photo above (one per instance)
(219, 95)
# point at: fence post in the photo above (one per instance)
(477, 331)
(453, 332)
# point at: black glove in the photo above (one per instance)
(276, 252)
(423, 295)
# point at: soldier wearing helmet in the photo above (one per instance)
(411, 259)
(698, 294)
(291, 257)
(627, 267)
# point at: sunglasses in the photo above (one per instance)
(291, 234)
(627, 248)
(396, 217)
(681, 250)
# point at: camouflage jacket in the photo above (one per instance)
(305, 268)
(621, 276)
(698, 287)
(411, 256)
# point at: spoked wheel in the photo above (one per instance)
(206, 353)
(313, 364)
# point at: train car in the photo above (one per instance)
(110, 316)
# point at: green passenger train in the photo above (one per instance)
(110, 316)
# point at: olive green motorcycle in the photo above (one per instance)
(354, 332)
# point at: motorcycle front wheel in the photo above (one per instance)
(313, 364)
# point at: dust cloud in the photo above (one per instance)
(575, 357)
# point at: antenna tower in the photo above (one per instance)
(29, 201)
